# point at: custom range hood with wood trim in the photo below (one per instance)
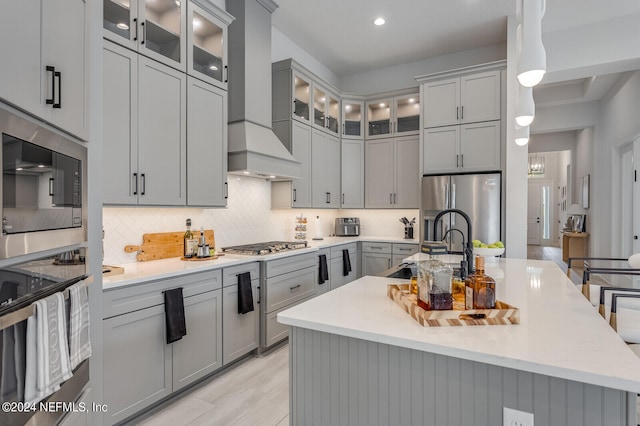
(253, 147)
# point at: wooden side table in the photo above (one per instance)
(574, 244)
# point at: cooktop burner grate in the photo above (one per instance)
(269, 247)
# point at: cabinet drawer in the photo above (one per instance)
(289, 264)
(337, 250)
(289, 288)
(274, 331)
(135, 297)
(230, 275)
(407, 249)
(368, 247)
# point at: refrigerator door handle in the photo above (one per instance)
(453, 204)
(446, 196)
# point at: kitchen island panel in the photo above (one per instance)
(442, 390)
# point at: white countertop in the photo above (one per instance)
(560, 334)
(138, 272)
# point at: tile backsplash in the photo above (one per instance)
(248, 218)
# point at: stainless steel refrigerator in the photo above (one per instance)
(478, 195)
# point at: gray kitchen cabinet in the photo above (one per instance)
(206, 144)
(464, 148)
(296, 193)
(326, 110)
(336, 269)
(79, 417)
(352, 119)
(147, 157)
(352, 161)
(43, 65)
(392, 172)
(401, 251)
(393, 116)
(325, 170)
(469, 98)
(376, 257)
(240, 332)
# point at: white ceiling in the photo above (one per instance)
(341, 35)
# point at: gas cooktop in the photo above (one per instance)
(257, 249)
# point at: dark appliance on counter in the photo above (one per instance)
(43, 186)
(347, 227)
(270, 247)
(478, 195)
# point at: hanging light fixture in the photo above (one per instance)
(532, 60)
(521, 135)
(525, 107)
(536, 165)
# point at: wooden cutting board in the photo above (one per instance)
(165, 245)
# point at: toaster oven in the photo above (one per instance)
(347, 227)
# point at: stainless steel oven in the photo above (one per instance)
(43, 186)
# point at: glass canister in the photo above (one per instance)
(434, 279)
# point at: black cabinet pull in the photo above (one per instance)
(58, 75)
(144, 183)
(457, 160)
(135, 24)
(143, 33)
(52, 70)
(295, 286)
(295, 195)
(226, 190)
(343, 198)
(226, 72)
(328, 197)
(135, 177)
(461, 160)
(457, 111)
(462, 113)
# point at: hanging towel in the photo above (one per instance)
(79, 341)
(323, 270)
(20, 332)
(174, 314)
(48, 363)
(346, 262)
(245, 295)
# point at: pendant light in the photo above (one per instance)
(532, 60)
(521, 135)
(525, 106)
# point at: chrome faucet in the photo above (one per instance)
(466, 265)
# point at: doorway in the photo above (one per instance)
(540, 213)
(628, 194)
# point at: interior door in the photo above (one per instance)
(626, 211)
(534, 213)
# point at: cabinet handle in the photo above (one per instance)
(135, 177)
(135, 24)
(51, 187)
(457, 160)
(375, 248)
(258, 295)
(226, 190)
(143, 33)
(295, 286)
(343, 128)
(58, 75)
(328, 197)
(295, 195)
(457, 111)
(389, 263)
(391, 198)
(343, 198)
(226, 73)
(461, 160)
(52, 70)
(462, 112)
(144, 183)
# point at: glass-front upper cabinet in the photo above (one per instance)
(207, 55)
(353, 118)
(326, 110)
(379, 117)
(301, 97)
(154, 28)
(333, 114)
(319, 107)
(407, 114)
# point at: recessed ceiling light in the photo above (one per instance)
(213, 68)
(272, 177)
(122, 26)
(196, 23)
(379, 21)
(381, 105)
(347, 107)
(411, 100)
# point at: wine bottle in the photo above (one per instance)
(480, 289)
(188, 238)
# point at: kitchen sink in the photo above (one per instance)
(402, 271)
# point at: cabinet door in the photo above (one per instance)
(352, 119)
(63, 47)
(374, 263)
(441, 149)
(407, 172)
(480, 146)
(379, 118)
(120, 22)
(200, 351)
(379, 179)
(319, 113)
(20, 32)
(301, 98)
(135, 347)
(480, 97)
(162, 31)
(206, 144)
(325, 170)
(333, 114)
(354, 273)
(162, 130)
(206, 44)
(441, 103)
(352, 174)
(301, 151)
(240, 332)
(407, 114)
(336, 276)
(120, 124)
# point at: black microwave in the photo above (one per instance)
(43, 186)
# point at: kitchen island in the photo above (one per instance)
(357, 358)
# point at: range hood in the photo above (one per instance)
(253, 147)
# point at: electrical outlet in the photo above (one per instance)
(511, 417)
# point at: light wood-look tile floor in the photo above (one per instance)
(253, 392)
(555, 255)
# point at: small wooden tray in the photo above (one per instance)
(197, 259)
(504, 313)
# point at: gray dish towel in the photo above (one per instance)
(79, 341)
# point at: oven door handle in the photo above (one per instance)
(51, 187)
